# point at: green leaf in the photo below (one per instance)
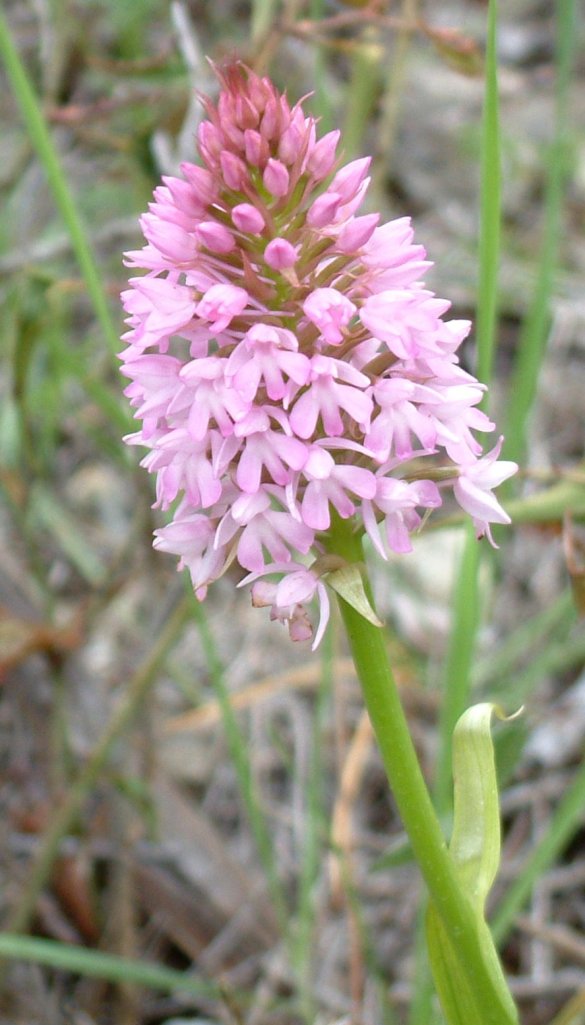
(457, 999)
(475, 849)
(348, 583)
(475, 842)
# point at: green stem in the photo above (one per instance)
(370, 656)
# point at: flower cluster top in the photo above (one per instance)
(287, 363)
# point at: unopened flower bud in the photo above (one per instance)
(279, 254)
(322, 159)
(276, 178)
(247, 218)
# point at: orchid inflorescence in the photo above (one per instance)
(286, 360)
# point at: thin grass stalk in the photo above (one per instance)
(311, 855)
(572, 1012)
(239, 754)
(395, 85)
(421, 1007)
(490, 208)
(533, 636)
(321, 99)
(47, 154)
(457, 671)
(98, 965)
(458, 668)
(559, 657)
(362, 89)
(466, 611)
(536, 326)
(263, 12)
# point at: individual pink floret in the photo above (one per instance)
(326, 398)
(220, 304)
(267, 355)
(473, 489)
(280, 254)
(330, 311)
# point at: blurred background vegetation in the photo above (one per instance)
(195, 824)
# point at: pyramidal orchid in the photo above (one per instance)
(288, 365)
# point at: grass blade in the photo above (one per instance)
(94, 963)
(457, 673)
(466, 603)
(239, 753)
(47, 154)
(536, 327)
(490, 209)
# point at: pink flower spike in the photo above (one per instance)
(170, 240)
(280, 254)
(325, 398)
(398, 501)
(329, 483)
(291, 144)
(268, 354)
(330, 311)
(185, 197)
(209, 143)
(190, 537)
(286, 362)
(276, 178)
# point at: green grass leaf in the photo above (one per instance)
(48, 156)
(81, 961)
(536, 327)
